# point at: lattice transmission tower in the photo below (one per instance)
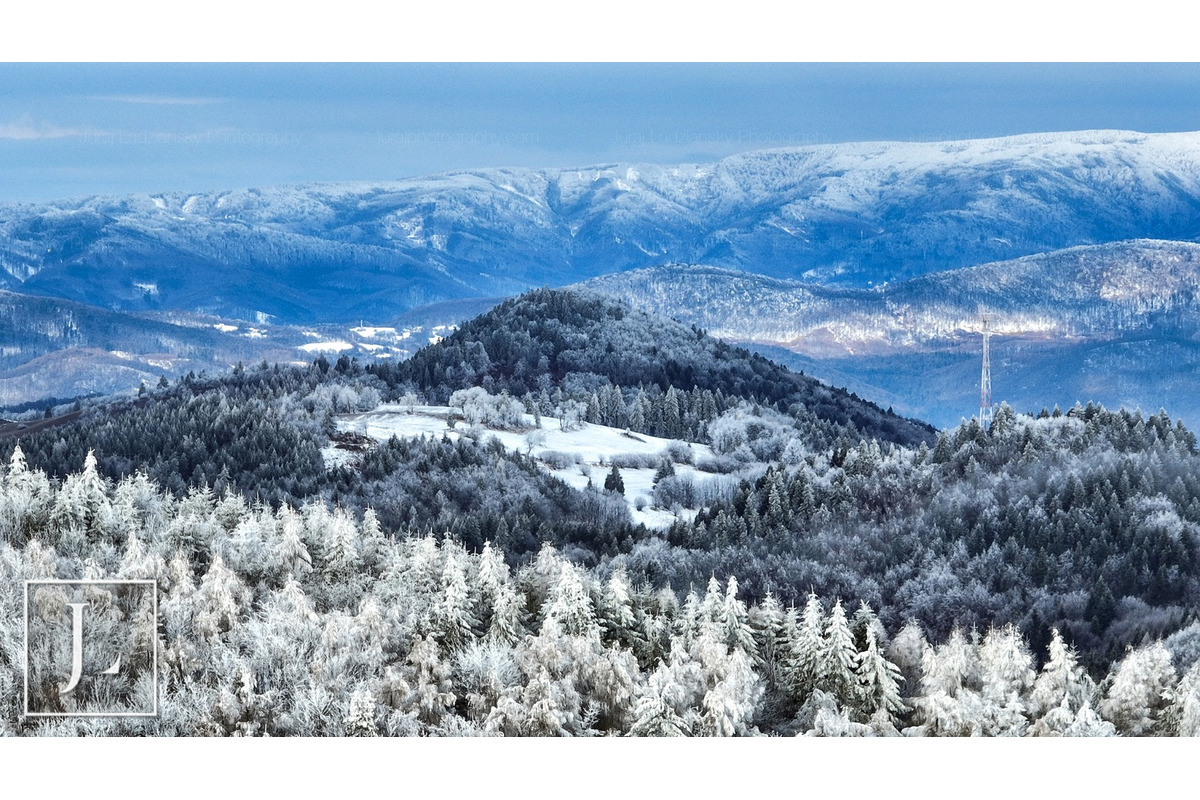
(985, 379)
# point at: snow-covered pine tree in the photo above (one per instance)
(655, 713)
(838, 659)
(731, 705)
(1060, 690)
(454, 624)
(950, 704)
(616, 613)
(361, 719)
(807, 645)
(1006, 674)
(1136, 696)
(767, 623)
(735, 620)
(290, 551)
(879, 683)
(569, 608)
(1181, 717)
(429, 689)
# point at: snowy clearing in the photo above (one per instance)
(577, 456)
(371, 332)
(326, 347)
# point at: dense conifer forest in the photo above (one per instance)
(853, 573)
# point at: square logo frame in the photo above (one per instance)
(151, 586)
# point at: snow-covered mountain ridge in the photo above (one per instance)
(1117, 323)
(1097, 291)
(52, 348)
(850, 214)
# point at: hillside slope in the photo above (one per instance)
(579, 342)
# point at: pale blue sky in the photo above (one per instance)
(77, 129)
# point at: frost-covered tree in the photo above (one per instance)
(807, 643)
(767, 621)
(617, 616)
(1006, 676)
(428, 690)
(569, 607)
(657, 710)
(361, 719)
(878, 683)
(950, 703)
(1060, 691)
(290, 551)
(735, 621)
(1181, 717)
(1138, 692)
(838, 659)
(453, 620)
(731, 704)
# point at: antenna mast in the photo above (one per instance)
(985, 380)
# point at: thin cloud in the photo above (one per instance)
(26, 128)
(159, 100)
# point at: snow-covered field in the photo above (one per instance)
(592, 447)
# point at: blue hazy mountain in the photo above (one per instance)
(1116, 323)
(53, 348)
(851, 215)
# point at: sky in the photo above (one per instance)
(72, 129)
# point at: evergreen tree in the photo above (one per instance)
(1136, 697)
(613, 482)
(655, 713)
(361, 719)
(838, 660)
(1006, 674)
(1061, 686)
(950, 704)
(807, 643)
(1181, 717)
(568, 607)
(878, 682)
(454, 623)
(735, 622)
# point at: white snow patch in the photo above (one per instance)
(255, 333)
(147, 288)
(337, 457)
(592, 446)
(326, 347)
(223, 328)
(371, 333)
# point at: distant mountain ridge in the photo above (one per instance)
(1117, 323)
(53, 348)
(848, 214)
(1093, 291)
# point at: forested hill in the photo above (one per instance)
(578, 343)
